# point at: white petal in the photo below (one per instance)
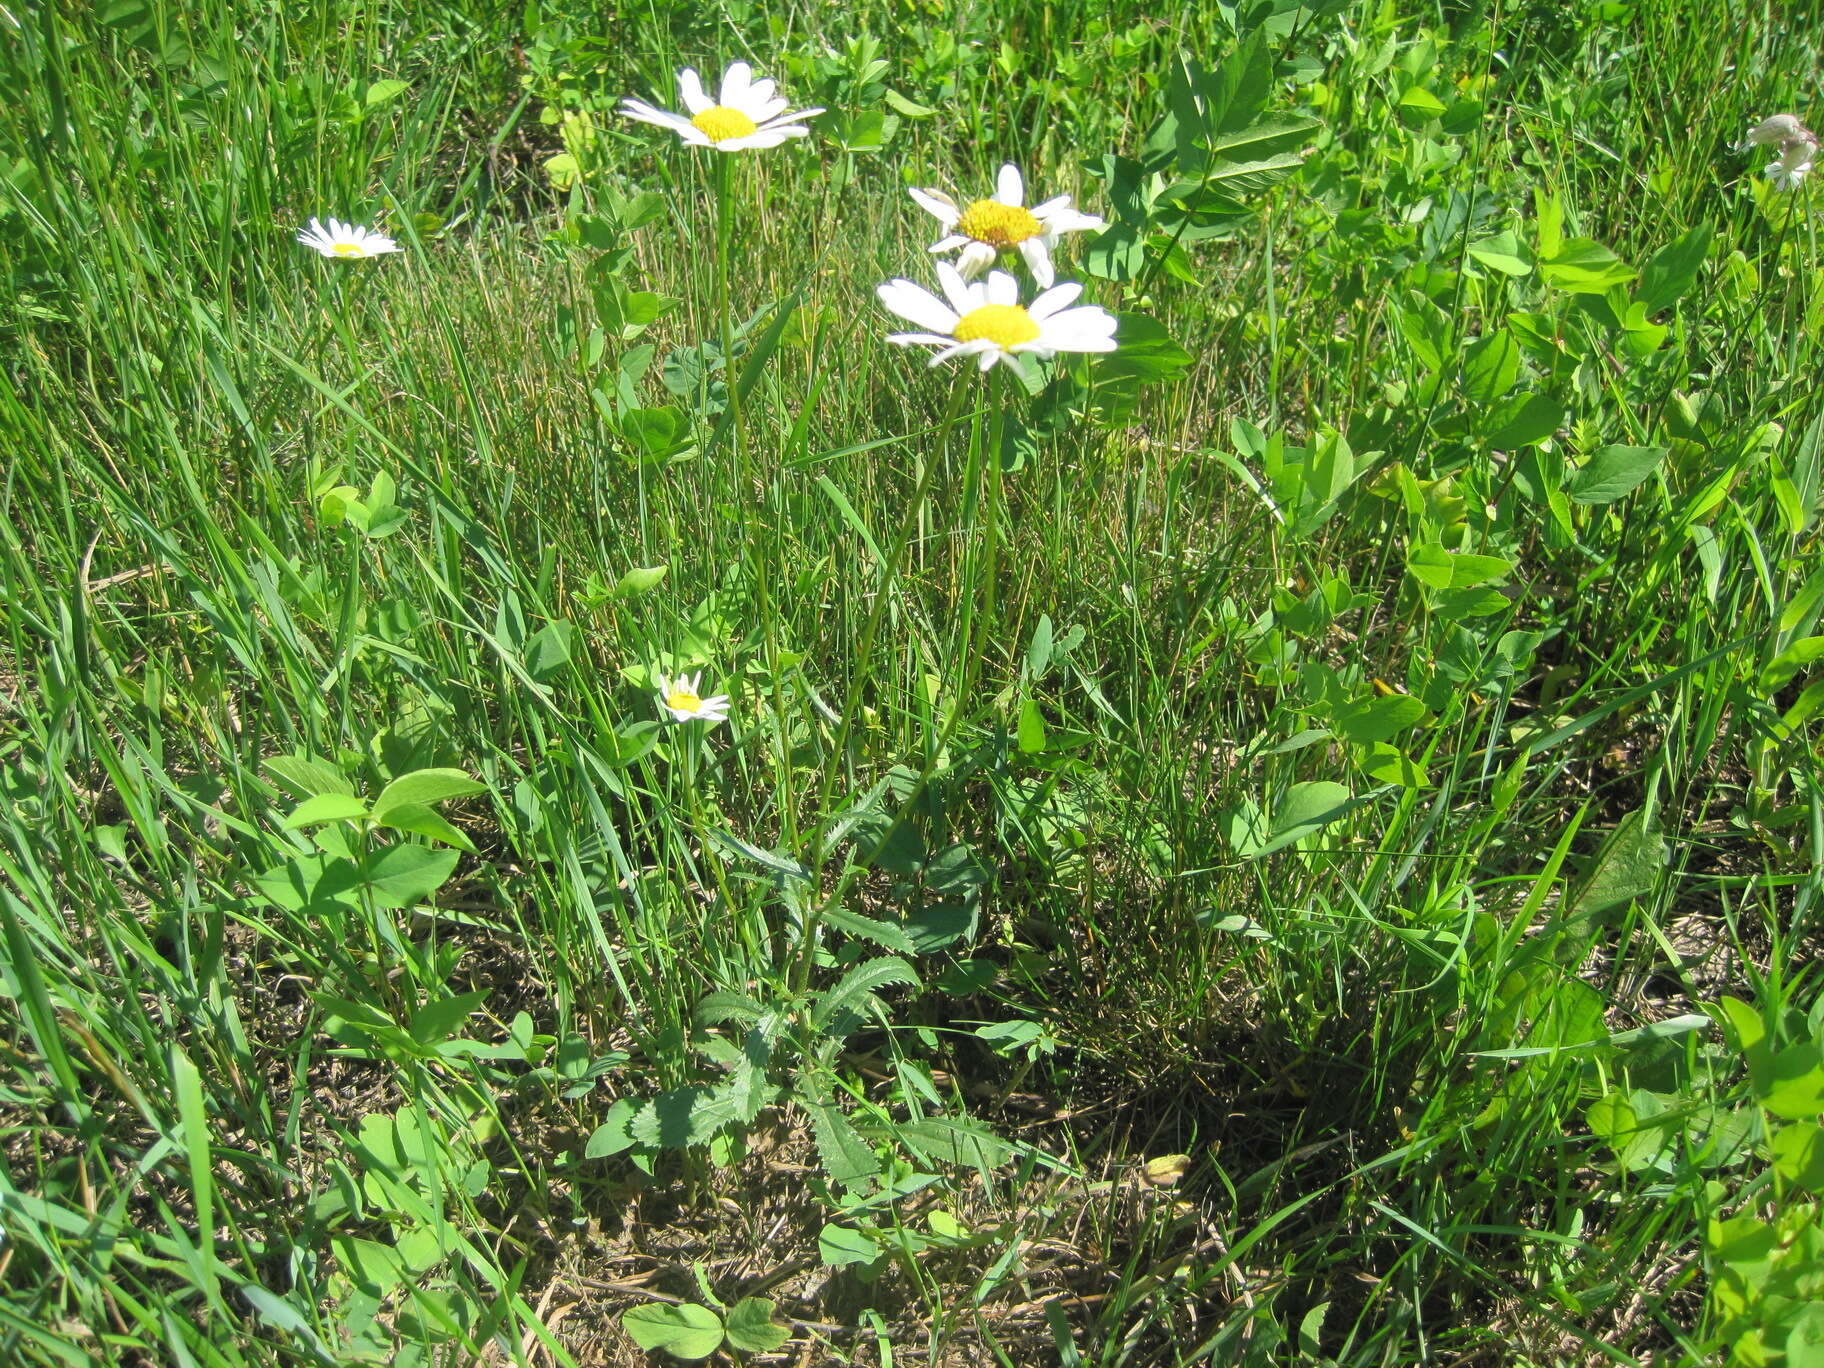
(690, 91)
(645, 113)
(949, 244)
(767, 109)
(1002, 288)
(976, 348)
(735, 82)
(916, 304)
(919, 340)
(989, 358)
(1051, 206)
(1038, 260)
(939, 205)
(961, 295)
(1008, 187)
(1058, 297)
(1068, 221)
(762, 92)
(975, 258)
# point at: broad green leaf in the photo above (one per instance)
(842, 1246)
(1582, 266)
(612, 1136)
(1612, 472)
(1038, 651)
(1669, 276)
(857, 988)
(406, 875)
(1791, 1082)
(549, 650)
(751, 1327)
(639, 580)
(423, 821)
(325, 807)
(1788, 662)
(442, 1018)
(1441, 568)
(1377, 719)
(886, 935)
(1491, 364)
(422, 788)
(1504, 252)
(685, 1332)
(1797, 1151)
(683, 1117)
(382, 91)
(1306, 808)
(1031, 730)
(1522, 420)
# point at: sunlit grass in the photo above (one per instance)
(554, 772)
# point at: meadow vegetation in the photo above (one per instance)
(1295, 840)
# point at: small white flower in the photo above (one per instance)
(987, 227)
(346, 240)
(987, 320)
(745, 113)
(1794, 165)
(680, 698)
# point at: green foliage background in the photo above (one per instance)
(1296, 842)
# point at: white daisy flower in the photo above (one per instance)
(987, 320)
(346, 240)
(745, 113)
(680, 698)
(988, 227)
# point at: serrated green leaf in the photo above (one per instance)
(966, 1144)
(849, 1160)
(857, 988)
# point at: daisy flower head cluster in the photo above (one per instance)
(985, 228)
(345, 241)
(745, 113)
(681, 699)
(1798, 147)
(985, 320)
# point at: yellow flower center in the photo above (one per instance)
(1005, 325)
(999, 225)
(683, 700)
(348, 249)
(719, 123)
